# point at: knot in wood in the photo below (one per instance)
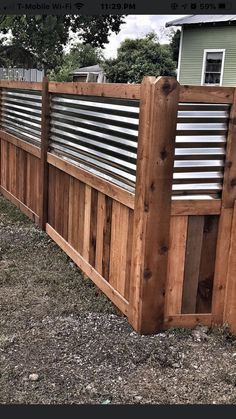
(233, 182)
(228, 164)
(147, 274)
(163, 250)
(163, 154)
(146, 207)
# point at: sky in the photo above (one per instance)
(137, 26)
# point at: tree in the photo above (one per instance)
(81, 55)
(45, 36)
(138, 58)
(174, 45)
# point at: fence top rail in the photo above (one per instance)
(25, 85)
(115, 90)
(206, 94)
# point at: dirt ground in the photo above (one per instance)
(63, 342)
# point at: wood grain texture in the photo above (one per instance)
(107, 238)
(4, 164)
(189, 320)
(156, 145)
(62, 184)
(118, 246)
(101, 185)
(87, 220)
(192, 263)
(29, 148)
(194, 207)
(207, 264)
(205, 94)
(101, 213)
(229, 185)
(52, 195)
(230, 295)
(221, 263)
(176, 263)
(122, 91)
(104, 286)
(93, 227)
(25, 85)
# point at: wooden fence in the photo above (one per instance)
(162, 262)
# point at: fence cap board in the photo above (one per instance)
(116, 90)
(24, 85)
(206, 94)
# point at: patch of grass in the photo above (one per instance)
(13, 214)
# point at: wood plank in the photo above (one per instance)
(207, 264)
(100, 232)
(4, 164)
(87, 220)
(230, 295)
(26, 210)
(196, 207)
(12, 169)
(73, 221)
(229, 185)
(156, 147)
(192, 263)
(206, 94)
(118, 246)
(81, 215)
(113, 90)
(107, 238)
(98, 280)
(52, 196)
(119, 194)
(29, 148)
(93, 227)
(189, 320)
(25, 85)
(62, 203)
(129, 254)
(45, 130)
(221, 264)
(176, 263)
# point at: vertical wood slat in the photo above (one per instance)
(45, 127)
(129, 254)
(87, 218)
(12, 169)
(4, 163)
(118, 246)
(229, 185)
(93, 228)
(51, 195)
(101, 212)
(192, 263)
(230, 294)
(107, 238)
(221, 264)
(176, 264)
(207, 265)
(73, 220)
(62, 203)
(155, 161)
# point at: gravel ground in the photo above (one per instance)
(63, 342)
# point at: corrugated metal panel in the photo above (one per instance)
(101, 136)
(195, 40)
(21, 114)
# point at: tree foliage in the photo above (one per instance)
(81, 55)
(140, 57)
(45, 36)
(174, 45)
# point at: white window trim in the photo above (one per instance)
(204, 66)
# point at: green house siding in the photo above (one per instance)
(195, 40)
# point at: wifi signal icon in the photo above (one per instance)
(78, 5)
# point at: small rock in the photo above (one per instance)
(138, 398)
(106, 401)
(175, 365)
(33, 377)
(234, 354)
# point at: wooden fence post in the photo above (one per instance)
(45, 126)
(156, 145)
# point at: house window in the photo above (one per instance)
(213, 66)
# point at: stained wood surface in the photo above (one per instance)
(105, 287)
(192, 263)
(229, 186)
(156, 145)
(230, 297)
(95, 182)
(221, 264)
(29, 148)
(176, 265)
(25, 85)
(195, 207)
(205, 94)
(122, 91)
(189, 320)
(207, 265)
